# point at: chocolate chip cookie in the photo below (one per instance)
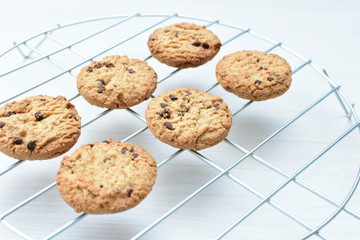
(189, 118)
(38, 127)
(183, 45)
(254, 75)
(116, 82)
(106, 177)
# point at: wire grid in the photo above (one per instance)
(222, 172)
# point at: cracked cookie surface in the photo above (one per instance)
(106, 177)
(38, 127)
(183, 45)
(116, 82)
(189, 118)
(254, 75)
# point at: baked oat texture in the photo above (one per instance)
(254, 75)
(106, 177)
(116, 82)
(189, 118)
(183, 45)
(38, 127)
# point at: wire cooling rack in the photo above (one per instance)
(250, 186)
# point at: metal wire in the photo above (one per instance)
(345, 103)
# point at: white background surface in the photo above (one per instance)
(326, 31)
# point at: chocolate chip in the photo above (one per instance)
(123, 151)
(43, 99)
(168, 125)
(89, 69)
(17, 140)
(101, 80)
(270, 79)
(197, 43)
(258, 60)
(109, 65)
(31, 145)
(177, 34)
(2, 124)
(164, 114)
(106, 142)
(129, 192)
(172, 97)
(277, 75)
(91, 145)
(98, 65)
(130, 70)
(163, 105)
(181, 114)
(132, 149)
(261, 68)
(205, 45)
(188, 93)
(135, 155)
(257, 82)
(101, 186)
(166, 31)
(184, 107)
(73, 117)
(265, 68)
(216, 105)
(8, 114)
(39, 116)
(106, 159)
(101, 90)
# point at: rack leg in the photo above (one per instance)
(20, 51)
(37, 46)
(347, 112)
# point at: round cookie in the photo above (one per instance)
(106, 177)
(188, 118)
(116, 82)
(38, 127)
(254, 75)
(183, 45)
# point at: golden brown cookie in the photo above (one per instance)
(116, 82)
(189, 118)
(254, 75)
(38, 127)
(183, 45)
(106, 177)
